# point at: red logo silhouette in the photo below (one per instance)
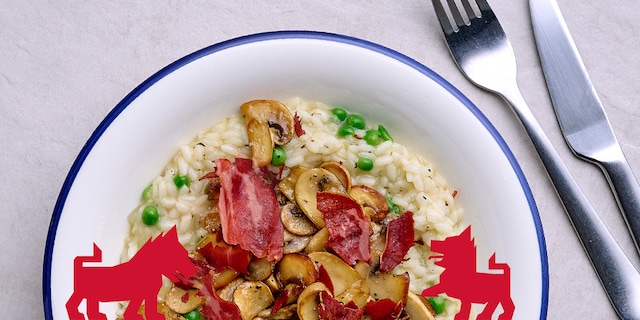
(461, 280)
(138, 280)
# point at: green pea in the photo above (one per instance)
(340, 113)
(384, 134)
(392, 206)
(365, 164)
(192, 315)
(278, 156)
(438, 304)
(345, 131)
(150, 215)
(356, 121)
(181, 181)
(146, 194)
(372, 137)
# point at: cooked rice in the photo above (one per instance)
(411, 181)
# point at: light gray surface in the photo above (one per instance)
(65, 64)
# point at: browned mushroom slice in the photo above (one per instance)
(272, 283)
(286, 312)
(251, 297)
(209, 238)
(308, 184)
(162, 308)
(363, 269)
(341, 172)
(418, 308)
(296, 244)
(318, 241)
(269, 122)
(224, 278)
(296, 268)
(288, 184)
(358, 292)
(341, 274)
(259, 269)
(182, 301)
(226, 293)
(308, 301)
(295, 221)
(373, 202)
(387, 285)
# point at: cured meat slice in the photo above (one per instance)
(215, 308)
(249, 211)
(330, 309)
(399, 240)
(348, 228)
(383, 309)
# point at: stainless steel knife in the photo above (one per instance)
(582, 118)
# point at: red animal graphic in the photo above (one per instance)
(137, 280)
(461, 280)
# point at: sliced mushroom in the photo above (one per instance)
(209, 238)
(269, 122)
(286, 312)
(341, 274)
(293, 291)
(226, 292)
(224, 278)
(251, 297)
(288, 184)
(387, 285)
(308, 301)
(211, 221)
(162, 308)
(418, 308)
(377, 242)
(318, 241)
(358, 292)
(259, 269)
(363, 269)
(272, 283)
(182, 301)
(294, 220)
(296, 268)
(341, 172)
(373, 202)
(296, 244)
(308, 184)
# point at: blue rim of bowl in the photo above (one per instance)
(279, 35)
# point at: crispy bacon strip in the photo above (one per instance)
(384, 309)
(330, 309)
(400, 236)
(297, 125)
(348, 228)
(223, 256)
(249, 210)
(215, 308)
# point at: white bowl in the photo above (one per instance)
(423, 110)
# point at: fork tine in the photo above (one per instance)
(467, 7)
(447, 28)
(483, 5)
(485, 10)
(455, 13)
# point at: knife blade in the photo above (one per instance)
(580, 113)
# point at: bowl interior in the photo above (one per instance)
(422, 110)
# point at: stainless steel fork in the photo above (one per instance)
(483, 53)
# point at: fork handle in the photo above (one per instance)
(617, 274)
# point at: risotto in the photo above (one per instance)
(181, 197)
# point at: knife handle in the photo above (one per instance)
(626, 190)
(617, 274)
